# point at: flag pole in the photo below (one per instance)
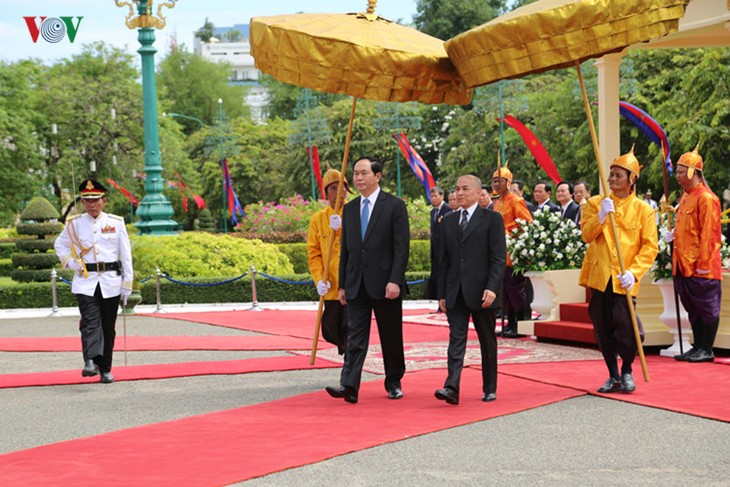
(331, 237)
(612, 219)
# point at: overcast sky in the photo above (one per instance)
(103, 20)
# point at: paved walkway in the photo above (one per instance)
(583, 441)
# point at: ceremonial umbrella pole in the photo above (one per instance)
(667, 209)
(361, 55)
(554, 34)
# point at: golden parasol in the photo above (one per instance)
(361, 55)
(552, 34)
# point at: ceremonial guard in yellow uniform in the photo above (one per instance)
(511, 207)
(696, 263)
(334, 317)
(637, 233)
(95, 244)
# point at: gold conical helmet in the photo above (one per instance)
(629, 162)
(503, 172)
(693, 160)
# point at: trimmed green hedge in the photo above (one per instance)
(297, 253)
(35, 260)
(40, 229)
(38, 275)
(6, 267)
(7, 249)
(33, 244)
(38, 294)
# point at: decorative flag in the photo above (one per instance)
(233, 204)
(536, 148)
(124, 191)
(316, 169)
(186, 192)
(420, 169)
(649, 126)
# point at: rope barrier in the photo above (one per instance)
(205, 284)
(284, 281)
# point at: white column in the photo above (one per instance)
(609, 140)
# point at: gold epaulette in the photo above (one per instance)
(115, 216)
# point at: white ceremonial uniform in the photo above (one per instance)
(105, 239)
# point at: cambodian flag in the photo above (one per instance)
(233, 204)
(420, 169)
(649, 126)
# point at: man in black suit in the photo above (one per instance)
(569, 209)
(438, 212)
(541, 192)
(373, 261)
(472, 266)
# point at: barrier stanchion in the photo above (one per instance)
(54, 293)
(254, 298)
(158, 308)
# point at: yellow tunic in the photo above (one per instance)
(637, 233)
(698, 234)
(512, 207)
(319, 230)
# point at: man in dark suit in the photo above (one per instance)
(472, 266)
(438, 212)
(541, 192)
(373, 261)
(569, 209)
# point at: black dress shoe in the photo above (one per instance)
(509, 332)
(702, 355)
(611, 385)
(347, 393)
(395, 393)
(447, 394)
(90, 369)
(627, 383)
(492, 396)
(106, 378)
(682, 357)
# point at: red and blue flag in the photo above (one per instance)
(419, 168)
(234, 206)
(649, 127)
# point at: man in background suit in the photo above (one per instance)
(472, 267)
(569, 209)
(438, 212)
(373, 261)
(541, 192)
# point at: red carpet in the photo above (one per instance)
(167, 371)
(697, 389)
(164, 343)
(247, 442)
(299, 324)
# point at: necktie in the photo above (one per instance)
(364, 217)
(464, 220)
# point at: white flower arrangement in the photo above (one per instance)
(548, 242)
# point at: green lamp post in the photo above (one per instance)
(155, 210)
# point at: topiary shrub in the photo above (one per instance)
(297, 253)
(205, 221)
(37, 258)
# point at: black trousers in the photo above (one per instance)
(97, 327)
(484, 323)
(334, 324)
(389, 316)
(612, 328)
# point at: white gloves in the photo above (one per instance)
(606, 208)
(72, 264)
(335, 222)
(125, 294)
(668, 236)
(702, 272)
(323, 287)
(627, 280)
